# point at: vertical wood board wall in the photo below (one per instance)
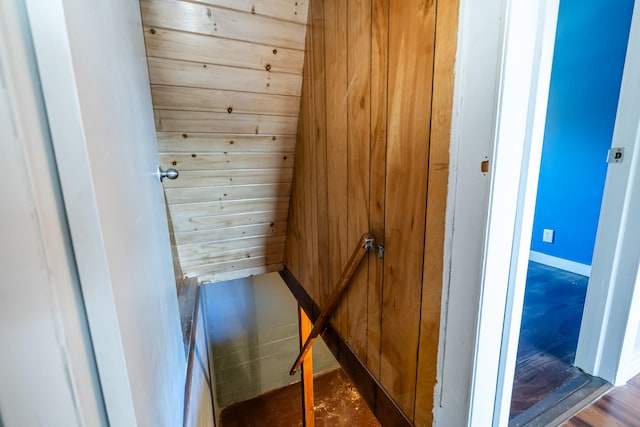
(373, 155)
(225, 80)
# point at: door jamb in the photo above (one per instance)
(610, 323)
(524, 87)
(53, 52)
(615, 329)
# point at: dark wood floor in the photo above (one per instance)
(337, 403)
(619, 407)
(553, 305)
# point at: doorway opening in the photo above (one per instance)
(589, 55)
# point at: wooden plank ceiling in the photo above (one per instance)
(225, 79)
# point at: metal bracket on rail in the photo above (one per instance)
(371, 244)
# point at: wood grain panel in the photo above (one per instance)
(217, 269)
(411, 29)
(226, 80)
(240, 273)
(215, 21)
(442, 107)
(358, 134)
(377, 174)
(365, 142)
(235, 269)
(240, 264)
(198, 121)
(177, 268)
(335, 19)
(170, 44)
(236, 192)
(210, 76)
(231, 102)
(213, 250)
(318, 155)
(293, 243)
(224, 221)
(288, 10)
(208, 178)
(213, 235)
(309, 250)
(179, 142)
(204, 263)
(299, 246)
(194, 210)
(217, 161)
(619, 407)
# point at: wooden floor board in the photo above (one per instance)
(620, 407)
(554, 301)
(337, 403)
(553, 305)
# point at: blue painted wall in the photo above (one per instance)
(590, 49)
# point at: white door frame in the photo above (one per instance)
(515, 176)
(48, 371)
(611, 316)
(500, 72)
(481, 288)
(59, 86)
(92, 68)
(526, 75)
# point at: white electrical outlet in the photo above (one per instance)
(547, 235)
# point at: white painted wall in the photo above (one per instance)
(92, 65)
(47, 368)
(253, 337)
(637, 349)
(631, 362)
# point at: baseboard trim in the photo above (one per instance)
(563, 264)
(380, 403)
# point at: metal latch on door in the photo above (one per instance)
(615, 155)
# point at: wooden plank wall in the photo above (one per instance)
(373, 155)
(225, 79)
